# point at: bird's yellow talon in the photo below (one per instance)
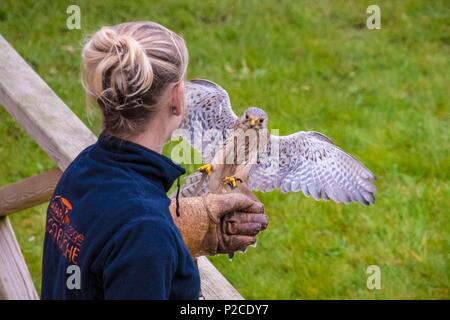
(207, 168)
(231, 181)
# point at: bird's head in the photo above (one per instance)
(254, 118)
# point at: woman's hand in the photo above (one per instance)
(241, 219)
(219, 223)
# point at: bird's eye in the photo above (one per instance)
(261, 120)
(246, 116)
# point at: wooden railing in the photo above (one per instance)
(62, 135)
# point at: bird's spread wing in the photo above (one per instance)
(208, 107)
(310, 162)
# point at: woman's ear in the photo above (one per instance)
(178, 99)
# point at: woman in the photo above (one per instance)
(111, 231)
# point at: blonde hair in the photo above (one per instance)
(127, 69)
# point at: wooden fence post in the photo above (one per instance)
(15, 279)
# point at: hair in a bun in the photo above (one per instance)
(126, 69)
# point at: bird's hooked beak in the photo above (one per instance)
(253, 122)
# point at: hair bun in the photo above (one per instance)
(130, 71)
(122, 44)
(126, 69)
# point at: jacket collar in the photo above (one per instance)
(143, 160)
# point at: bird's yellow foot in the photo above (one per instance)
(207, 168)
(231, 181)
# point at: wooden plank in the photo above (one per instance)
(55, 128)
(214, 285)
(39, 110)
(15, 279)
(28, 192)
(62, 135)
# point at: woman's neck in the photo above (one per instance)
(152, 138)
(149, 140)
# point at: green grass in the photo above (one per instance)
(381, 95)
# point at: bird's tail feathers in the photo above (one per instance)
(195, 184)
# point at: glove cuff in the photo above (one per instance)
(197, 225)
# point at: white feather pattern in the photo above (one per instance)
(208, 107)
(311, 163)
(307, 161)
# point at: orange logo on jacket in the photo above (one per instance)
(63, 234)
(63, 208)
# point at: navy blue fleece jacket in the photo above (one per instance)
(109, 219)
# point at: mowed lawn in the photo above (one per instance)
(382, 95)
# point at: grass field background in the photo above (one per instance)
(382, 95)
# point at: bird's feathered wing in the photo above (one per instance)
(208, 107)
(312, 163)
(303, 161)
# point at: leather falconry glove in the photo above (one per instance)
(219, 223)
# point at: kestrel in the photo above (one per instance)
(305, 161)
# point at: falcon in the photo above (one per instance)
(304, 161)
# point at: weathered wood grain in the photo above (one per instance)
(29, 192)
(15, 279)
(214, 284)
(42, 114)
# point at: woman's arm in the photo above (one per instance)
(219, 223)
